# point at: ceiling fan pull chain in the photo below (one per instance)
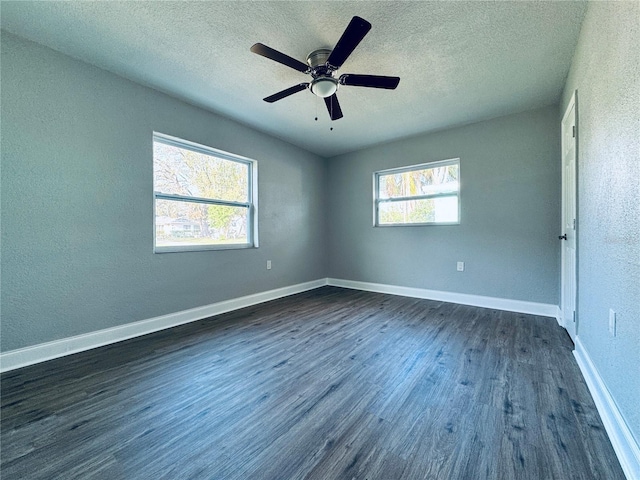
(331, 115)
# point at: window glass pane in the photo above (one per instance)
(425, 181)
(179, 171)
(190, 223)
(430, 210)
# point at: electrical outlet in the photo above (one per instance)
(268, 264)
(460, 266)
(612, 323)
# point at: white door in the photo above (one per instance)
(568, 232)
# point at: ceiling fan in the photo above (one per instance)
(322, 65)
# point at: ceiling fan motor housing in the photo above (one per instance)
(323, 84)
(318, 57)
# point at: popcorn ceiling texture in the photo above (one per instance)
(606, 74)
(459, 62)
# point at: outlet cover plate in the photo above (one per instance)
(612, 322)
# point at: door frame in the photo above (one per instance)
(573, 103)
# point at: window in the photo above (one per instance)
(426, 194)
(203, 198)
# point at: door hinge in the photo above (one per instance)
(574, 223)
(574, 316)
(574, 131)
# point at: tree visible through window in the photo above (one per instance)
(203, 197)
(418, 195)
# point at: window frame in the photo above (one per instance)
(409, 168)
(251, 204)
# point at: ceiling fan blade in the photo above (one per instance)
(285, 93)
(335, 112)
(352, 36)
(372, 81)
(279, 57)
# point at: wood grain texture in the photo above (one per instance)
(327, 384)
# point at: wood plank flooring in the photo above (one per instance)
(328, 384)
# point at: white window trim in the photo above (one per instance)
(251, 204)
(421, 166)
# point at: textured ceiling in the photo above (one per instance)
(459, 62)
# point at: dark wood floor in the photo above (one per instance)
(329, 384)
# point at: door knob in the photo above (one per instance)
(562, 237)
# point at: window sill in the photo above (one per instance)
(202, 248)
(430, 224)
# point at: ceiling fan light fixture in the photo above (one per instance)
(324, 87)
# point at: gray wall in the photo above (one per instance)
(77, 232)
(510, 185)
(606, 73)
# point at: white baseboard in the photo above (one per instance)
(559, 317)
(66, 346)
(625, 446)
(519, 306)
